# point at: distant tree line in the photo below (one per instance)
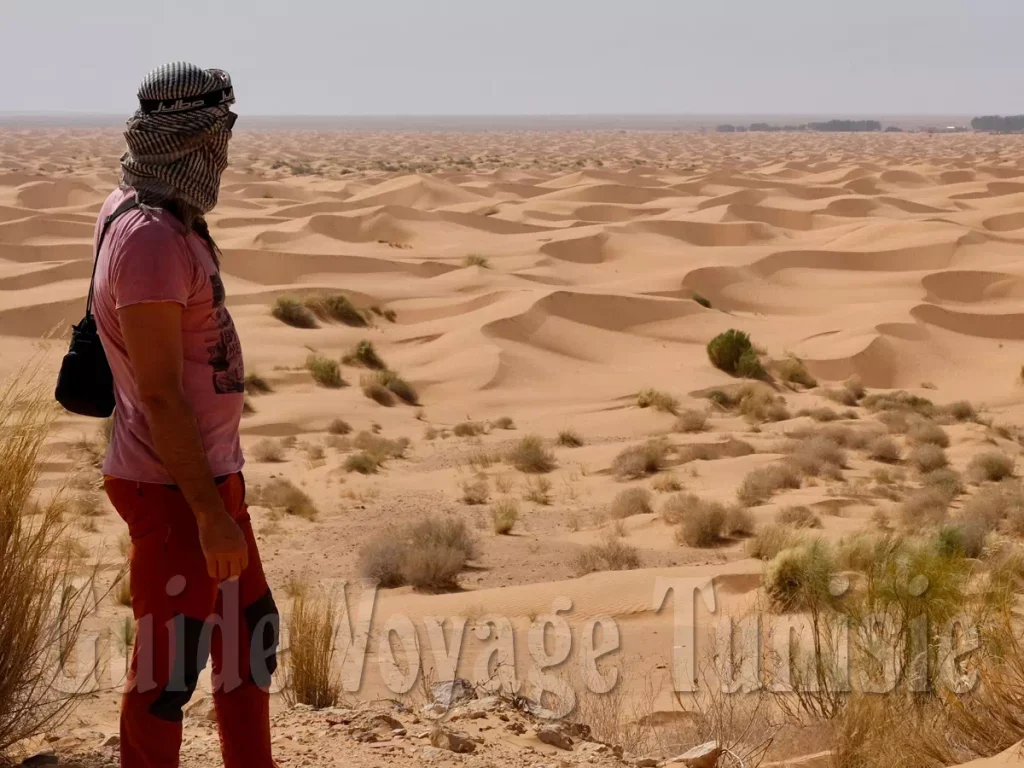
(831, 125)
(999, 123)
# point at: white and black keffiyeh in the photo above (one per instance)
(178, 138)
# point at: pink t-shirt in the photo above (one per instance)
(147, 257)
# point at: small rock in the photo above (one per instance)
(453, 741)
(451, 692)
(431, 753)
(111, 741)
(702, 756)
(556, 737)
(211, 714)
(434, 710)
(517, 728)
(197, 707)
(399, 732)
(647, 762)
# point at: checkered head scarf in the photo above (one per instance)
(178, 137)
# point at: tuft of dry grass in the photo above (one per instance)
(504, 422)
(992, 466)
(843, 397)
(640, 460)
(531, 455)
(658, 400)
(631, 501)
(928, 433)
(798, 577)
(702, 524)
(961, 410)
(257, 385)
(884, 448)
(476, 492)
(666, 483)
(768, 541)
(268, 451)
(325, 371)
(855, 386)
(364, 462)
(336, 307)
(945, 480)
(468, 429)
(504, 515)
(757, 403)
(310, 675)
(759, 484)
(428, 555)
(928, 458)
(339, 427)
(569, 438)
(291, 311)
(613, 554)
(902, 402)
(538, 490)
(823, 414)
(364, 354)
(794, 371)
(691, 421)
(477, 260)
(283, 495)
(819, 456)
(923, 508)
(798, 517)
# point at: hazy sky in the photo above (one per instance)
(387, 57)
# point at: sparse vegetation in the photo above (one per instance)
(946, 481)
(428, 555)
(733, 352)
(961, 410)
(339, 427)
(699, 523)
(631, 501)
(364, 462)
(823, 414)
(928, 458)
(992, 466)
(794, 371)
(325, 371)
(538, 490)
(504, 515)
(691, 421)
(291, 311)
(477, 260)
(569, 438)
(475, 492)
(468, 429)
(925, 507)
(659, 401)
(768, 541)
(702, 300)
(531, 455)
(504, 422)
(256, 385)
(283, 495)
(268, 451)
(819, 456)
(900, 401)
(800, 576)
(611, 555)
(310, 673)
(842, 396)
(667, 483)
(927, 433)
(884, 448)
(798, 517)
(363, 354)
(384, 386)
(336, 307)
(759, 485)
(640, 460)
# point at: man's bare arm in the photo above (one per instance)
(152, 334)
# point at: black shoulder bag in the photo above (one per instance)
(85, 385)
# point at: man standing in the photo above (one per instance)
(173, 469)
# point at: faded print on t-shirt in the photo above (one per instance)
(226, 354)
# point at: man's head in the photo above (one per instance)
(178, 137)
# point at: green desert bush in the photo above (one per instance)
(291, 311)
(733, 352)
(799, 578)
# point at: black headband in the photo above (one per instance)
(188, 104)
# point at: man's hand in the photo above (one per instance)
(224, 546)
(152, 334)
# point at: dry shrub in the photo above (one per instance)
(946, 481)
(961, 410)
(729, 449)
(336, 307)
(928, 433)
(701, 524)
(759, 404)
(799, 577)
(823, 414)
(310, 675)
(475, 492)
(841, 396)
(631, 501)
(612, 554)
(538, 490)
(504, 515)
(37, 562)
(364, 354)
(794, 371)
(659, 401)
(364, 462)
(798, 517)
(325, 371)
(928, 458)
(381, 447)
(339, 427)
(374, 389)
(666, 483)
(428, 555)
(738, 521)
(504, 422)
(922, 508)
(896, 422)
(769, 540)
(569, 438)
(963, 539)
(531, 455)
(640, 460)
(884, 448)
(281, 494)
(268, 451)
(759, 484)
(855, 386)
(256, 385)
(690, 421)
(900, 401)
(291, 311)
(468, 429)
(991, 465)
(993, 504)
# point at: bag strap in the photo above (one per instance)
(124, 207)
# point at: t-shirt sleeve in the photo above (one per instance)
(151, 264)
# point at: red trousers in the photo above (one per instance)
(182, 618)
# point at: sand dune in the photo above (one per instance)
(549, 278)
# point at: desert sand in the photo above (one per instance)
(896, 259)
